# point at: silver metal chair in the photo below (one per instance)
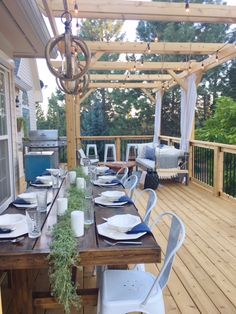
(125, 291)
(130, 184)
(83, 157)
(122, 174)
(151, 203)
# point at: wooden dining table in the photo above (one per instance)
(21, 258)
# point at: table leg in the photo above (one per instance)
(22, 282)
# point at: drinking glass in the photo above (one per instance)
(33, 219)
(42, 200)
(88, 211)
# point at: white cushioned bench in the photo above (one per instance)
(166, 160)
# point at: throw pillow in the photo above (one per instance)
(150, 153)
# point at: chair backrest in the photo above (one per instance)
(175, 240)
(122, 174)
(151, 203)
(130, 184)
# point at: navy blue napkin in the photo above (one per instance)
(114, 181)
(124, 198)
(21, 201)
(142, 227)
(110, 171)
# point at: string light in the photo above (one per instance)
(187, 5)
(76, 8)
(217, 57)
(202, 66)
(156, 39)
(190, 67)
(142, 60)
(135, 68)
(77, 23)
(148, 47)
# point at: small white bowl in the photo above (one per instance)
(112, 195)
(106, 179)
(45, 179)
(53, 171)
(123, 223)
(28, 197)
(101, 169)
(11, 220)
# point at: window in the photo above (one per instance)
(5, 173)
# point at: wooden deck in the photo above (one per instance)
(204, 276)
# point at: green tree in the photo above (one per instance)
(40, 117)
(214, 81)
(221, 127)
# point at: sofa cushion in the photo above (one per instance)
(142, 148)
(147, 163)
(150, 153)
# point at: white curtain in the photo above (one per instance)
(157, 121)
(188, 103)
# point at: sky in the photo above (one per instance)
(49, 80)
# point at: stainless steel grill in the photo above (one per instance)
(44, 140)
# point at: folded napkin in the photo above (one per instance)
(124, 198)
(21, 201)
(115, 181)
(142, 227)
(110, 171)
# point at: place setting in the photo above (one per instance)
(106, 181)
(112, 199)
(25, 200)
(44, 181)
(123, 227)
(12, 226)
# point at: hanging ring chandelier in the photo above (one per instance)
(76, 58)
(78, 86)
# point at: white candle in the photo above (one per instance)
(62, 205)
(80, 183)
(72, 177)
(85, 170)
(77, 222)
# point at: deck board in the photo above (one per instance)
(204, 270)
(203, 279)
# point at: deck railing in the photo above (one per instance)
(212, 165)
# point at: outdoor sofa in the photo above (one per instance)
(168, 161)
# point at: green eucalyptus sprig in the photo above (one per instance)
(64, 254)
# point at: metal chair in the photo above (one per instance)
(122, 174)
(125, 291)
(91, 148)
(112, 148)
(82, 157)
(151, 203)
(130, 184)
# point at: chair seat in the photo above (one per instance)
(125, 290)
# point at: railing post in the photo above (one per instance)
(190, 161)
(117, 141)
(218, 171)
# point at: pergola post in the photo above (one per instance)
(70, 131)
(77, 121)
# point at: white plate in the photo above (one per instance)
(105, 231)
(97, 182)
(25, 205)
(41, 185)
(19, 231)
(102, 201)
(28, 197)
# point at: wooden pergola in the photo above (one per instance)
(168, 74)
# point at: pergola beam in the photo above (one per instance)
(143, 10)
(130, 77)
(167, 48)
(124, 85)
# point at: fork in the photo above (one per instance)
(123, 242)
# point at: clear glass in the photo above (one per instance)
(33, 219)
(88, 211)
(55, 181)
(42, 200)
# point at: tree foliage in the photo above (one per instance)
(221, 127)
